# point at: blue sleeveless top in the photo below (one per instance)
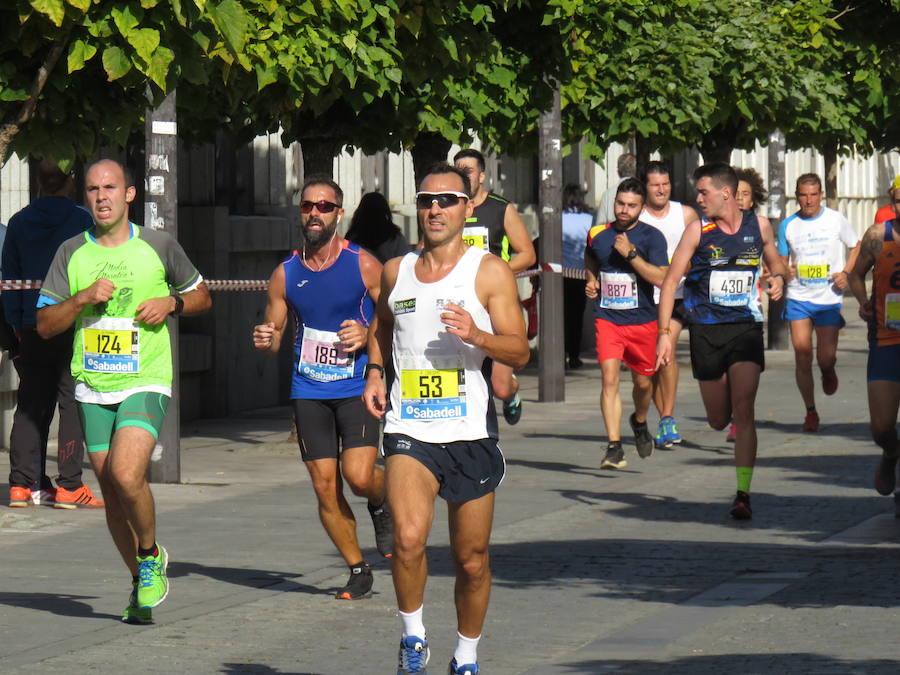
(319, 303)
(722, 285)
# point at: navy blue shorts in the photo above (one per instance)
(883, 363)
(465, 470)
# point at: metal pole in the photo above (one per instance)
(552, 375)
(161, 213)
(779, 337)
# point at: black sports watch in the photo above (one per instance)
(632, 254)
(179, 305)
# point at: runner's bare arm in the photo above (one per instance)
(497, 291)
(591, 267)
(869, 248)
(690, 214)
(519, 241)
(777, 269)
(353, 333)
(155, 311)
(679, 266)
(267, 335)
(55, 319)
(380, 341)
(842, 278)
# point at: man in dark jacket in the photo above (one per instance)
(43, 366)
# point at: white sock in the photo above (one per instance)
(412, 623)
(466, 650)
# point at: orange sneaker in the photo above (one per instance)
(19, 497)
(811, 423)
(73, 499)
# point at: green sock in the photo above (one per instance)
(744, 476)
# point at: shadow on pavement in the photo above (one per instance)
(245, 577)
(55, 603)
(258, 668)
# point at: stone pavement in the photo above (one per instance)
(631, 571)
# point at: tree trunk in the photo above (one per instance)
(318, 156)
(429, 149)
(718, 143)
(641, 154)
(831, 175)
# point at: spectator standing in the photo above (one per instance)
(576, 223)
(373, 228)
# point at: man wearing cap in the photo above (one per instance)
(886, 212)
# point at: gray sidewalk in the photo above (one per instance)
(631, 571)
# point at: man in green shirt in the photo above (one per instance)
(118, 283)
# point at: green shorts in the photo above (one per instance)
(145, 410)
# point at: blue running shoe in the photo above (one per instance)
(674, 436)
(662, 434)
(414, 655)
(468, 669)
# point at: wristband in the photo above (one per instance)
(179, 305)
(664, 331)
(372, 366)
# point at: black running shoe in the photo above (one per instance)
(615, 457)
(384, 529)
(740, 507)
(512, 410)
(359, 585)
(885, 475)
(642, 438)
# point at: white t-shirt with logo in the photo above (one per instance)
(816, 247)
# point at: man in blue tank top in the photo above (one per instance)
(329, 287)
(445, 314)
(720, 256)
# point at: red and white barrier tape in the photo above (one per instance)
(263, 284)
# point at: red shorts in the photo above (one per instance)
(635, 345)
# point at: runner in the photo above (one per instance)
(446, 313)
(114, 283)
(811, 243)
(880, 252)
(670, 218)
(624, 261)
(495, 226)
(330, 287)
(720, 256)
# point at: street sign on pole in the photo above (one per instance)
(161, 213)
(551, 355)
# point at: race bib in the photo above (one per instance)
(814, 275)
(731, 288)
(618, 290)
(477, 236)
(892, 311)
(430, 394)
(323, 358)
(110, 345)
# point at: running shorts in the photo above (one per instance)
(321, 421)
(145, 410)
(464, 470)
(715, 347)
(821, 315)
(883, 363)
(634, 345)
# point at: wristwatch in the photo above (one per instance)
(179, 305)
(632, 254)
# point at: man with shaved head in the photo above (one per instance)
(118, 283)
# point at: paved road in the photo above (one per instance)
(633, 571)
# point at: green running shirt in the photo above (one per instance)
(112, 351)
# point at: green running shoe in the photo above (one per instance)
(134, 614)
(153, 587)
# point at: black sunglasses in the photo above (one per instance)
(444, 200)
(322, 206)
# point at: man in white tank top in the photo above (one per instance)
(670, 218)
(445, 314)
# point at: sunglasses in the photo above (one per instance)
(322, 206)
(444, 200)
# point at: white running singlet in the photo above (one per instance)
(672, 227)
(442, 390)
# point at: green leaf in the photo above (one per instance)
(265, 77)
(83, 5)
(79, 53)
(13, 94)
(125, 19)
(349, 41)
(144, 41)
(115, 62)
(233, 24)
(54, 9)
(159, 66)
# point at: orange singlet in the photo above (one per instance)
(886, 289)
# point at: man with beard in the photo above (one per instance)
(623, 261)
(329, 287)
(720, 257)
(670, 218)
